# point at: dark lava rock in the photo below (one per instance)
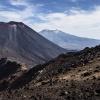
(48, 81)
(86, 74)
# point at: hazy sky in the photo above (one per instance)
(77, 17)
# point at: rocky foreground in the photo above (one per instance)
(70, 76)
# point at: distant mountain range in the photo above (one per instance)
(23, 44)
(68, 41)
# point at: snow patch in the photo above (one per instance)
(56, 31)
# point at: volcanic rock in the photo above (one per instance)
(23, 44)
(70, 76)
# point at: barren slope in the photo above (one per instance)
(71, 76)
(24, 44)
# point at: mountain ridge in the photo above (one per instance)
(68, 41)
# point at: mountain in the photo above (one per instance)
(70, 76)
(68, 41)
(20, 42)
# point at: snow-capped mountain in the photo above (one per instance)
(68, 41)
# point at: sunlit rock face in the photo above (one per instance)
(22, 43)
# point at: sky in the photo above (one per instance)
(76, 17)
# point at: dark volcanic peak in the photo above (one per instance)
(19, 41)
(13, 22)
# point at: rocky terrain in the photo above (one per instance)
(20, 42)
(70, 76)
(10, 70)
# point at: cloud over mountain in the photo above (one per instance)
(77, 17)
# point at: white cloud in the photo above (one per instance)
(26, 15)
(39, 5)
(18, 2)
(81, 23)
(12, 14)
(17, 15)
